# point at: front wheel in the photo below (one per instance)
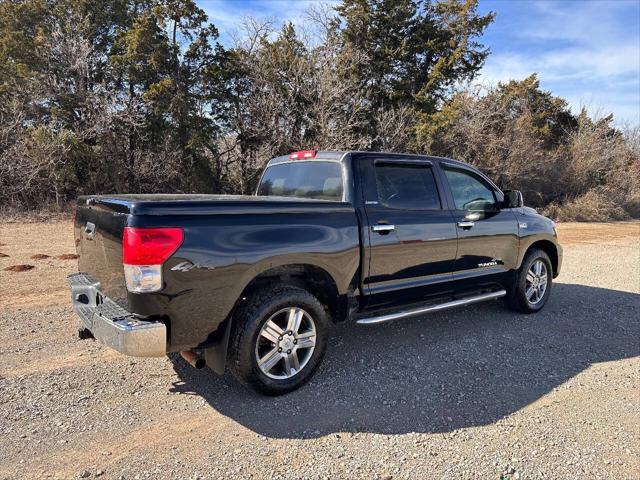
(278, 340)
(532, 283)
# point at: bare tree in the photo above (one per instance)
(394, 128)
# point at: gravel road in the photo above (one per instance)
(473, 393)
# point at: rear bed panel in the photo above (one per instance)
(220, 254)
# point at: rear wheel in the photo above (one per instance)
(278, 340)
(532, 284)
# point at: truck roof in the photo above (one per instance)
(341, 155)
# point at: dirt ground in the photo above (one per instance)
(478, 392)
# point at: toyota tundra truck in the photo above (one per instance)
(253, 284)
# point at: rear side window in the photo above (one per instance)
(470, 192)
(312, 179)
(409, 187)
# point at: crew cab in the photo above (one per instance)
(254, 283)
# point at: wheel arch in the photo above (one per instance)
(549, 248)
(311, 277)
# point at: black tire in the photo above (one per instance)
(517, 297)
(248, 323)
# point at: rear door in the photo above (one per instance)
(487, 234)
(412, 236)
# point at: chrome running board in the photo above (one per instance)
(433, 308)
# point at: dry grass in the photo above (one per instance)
(43, 214)
(592, 207)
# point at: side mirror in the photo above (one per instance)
(513, 199)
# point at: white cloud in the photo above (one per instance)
(589, 55)
(606, 62)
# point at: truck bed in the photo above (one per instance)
(228, 240)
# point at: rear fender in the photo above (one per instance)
(216, 351)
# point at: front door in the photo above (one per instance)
(487, 234)
(412, 237)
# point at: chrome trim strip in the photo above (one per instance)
(432, 308)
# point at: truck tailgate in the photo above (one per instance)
(99, 228)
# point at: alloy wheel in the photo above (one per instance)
(536, 284)
(285, 343)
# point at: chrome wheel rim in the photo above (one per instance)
(536, 284)
(285, 343)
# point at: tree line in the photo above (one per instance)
(140, 96)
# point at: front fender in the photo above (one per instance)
(539, 231)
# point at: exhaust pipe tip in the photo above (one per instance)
(193, 359)
(199, 363)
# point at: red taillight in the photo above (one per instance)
(301, 155)
(149, 246)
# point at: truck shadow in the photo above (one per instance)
(462, 368)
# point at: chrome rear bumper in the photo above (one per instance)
(111, 324)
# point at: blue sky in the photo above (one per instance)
(587, 51)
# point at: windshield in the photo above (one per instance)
(312, 179)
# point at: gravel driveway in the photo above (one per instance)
(473, 393)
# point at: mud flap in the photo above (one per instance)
(216, 354)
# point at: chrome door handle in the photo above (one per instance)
(383, 228)
(465, 224)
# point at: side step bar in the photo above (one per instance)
(433, 308)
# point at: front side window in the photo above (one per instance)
(469, 191)
(312, 179)
(409, 187)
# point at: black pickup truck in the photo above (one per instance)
(254, 283)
